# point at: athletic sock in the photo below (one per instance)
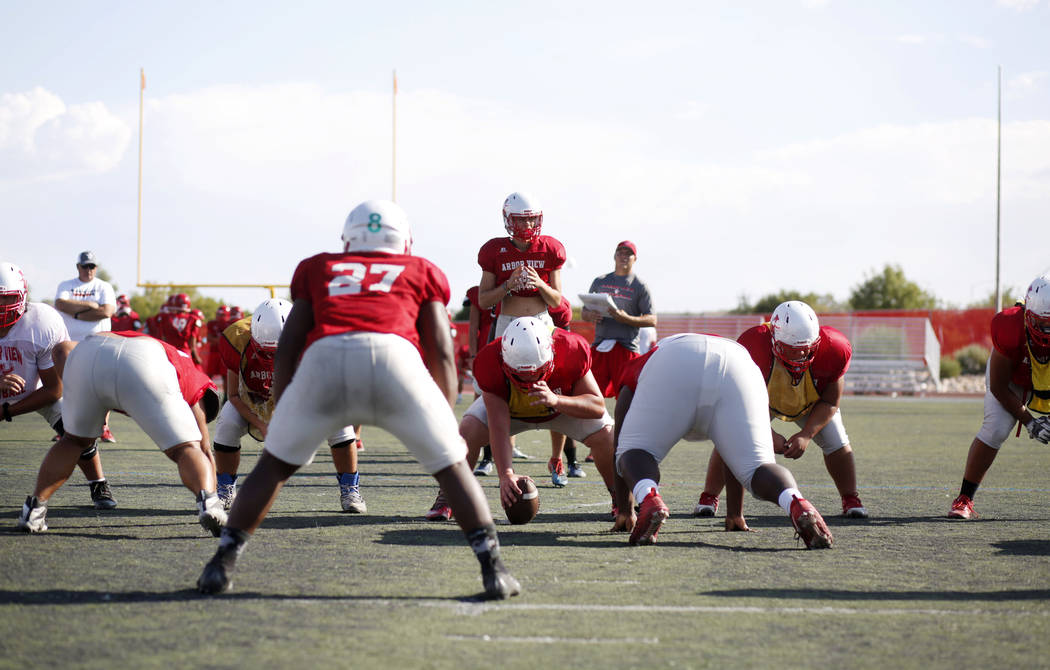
(785, 498)
(642, 489)
(226, 479)
(486, 452)
(570, 451)
(348, 478)
(231, 545)
(968, 489)
(485, 543)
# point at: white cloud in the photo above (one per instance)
(692, 111)
(1019, 5)
(41, 138)
(914, 39)
(975, 41)
(1024, 83)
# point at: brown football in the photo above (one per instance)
(527, 505)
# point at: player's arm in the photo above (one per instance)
(734, 498)
(290, 347)
(621, 495)
(1000, 371)
(550, 291)
(584, 402)
(498, 412)
(202, 425)
(489, 293)
(435, 338)
(819, 416)
(233, 388)
(642, 321)
(48, 393)
(194, 349)
(473, 331)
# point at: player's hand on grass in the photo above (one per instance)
(624, 522)
(12, 384)
(543, 394)
(795, 446)
(737, 523)
(1039, 429)
(508, 488)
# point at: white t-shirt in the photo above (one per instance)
(27, 347)
(95, 290)
(646, 339)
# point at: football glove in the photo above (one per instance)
(1039, 429)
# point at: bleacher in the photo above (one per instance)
(891, 354)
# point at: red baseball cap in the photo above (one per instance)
(629, 245)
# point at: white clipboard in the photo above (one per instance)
(599, 302)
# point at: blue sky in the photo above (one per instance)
(746, 147)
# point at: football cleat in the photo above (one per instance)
(210, 512)
(484, 468)
(351, 500)
(101, 496)
(33, 518)
(107, 435)
(226, 493)
(852, 508)
(576, 470)
(651, 516)
(499, 583)
(962, 508)
(557, 470)
(215, 576)
(520, 455)
(809, 525)
(706, 506)
(440, 511)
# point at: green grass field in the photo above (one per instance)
(907, 588)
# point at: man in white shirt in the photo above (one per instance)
(86, 303)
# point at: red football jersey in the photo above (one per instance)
(369, 292)
(562, 314)
(128, 320)
(630, 371)
(572, 360)
(501, 258)
(192, 382)
(1010, 340)
(830, 363)
(486, 317)
(176, 328)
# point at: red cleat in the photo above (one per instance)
(107, 435)
(809, 525)
(962, 508)
(707, 505)
(853, 508)
(651, 516)
(440, 510)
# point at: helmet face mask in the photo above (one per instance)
(522, 216)
(1037, 311)
(527, 352)
(14, 291)
(796, 336)
(378, 225)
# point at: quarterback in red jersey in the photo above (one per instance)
(177, 325)
(700, 387)
(803, 364)
(520, 273)
(1018, 387)
(157, 386)
(531, 379)
(367, 341)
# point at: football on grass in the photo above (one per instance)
(527, 505)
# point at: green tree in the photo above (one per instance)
(766, 304)
(150, 300)
(890, 289)
(1009, 296)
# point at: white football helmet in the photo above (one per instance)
(1037, 310)
(268, 322)
(377, 225)
(528, 352)
(14, 290)
(522, 216)
(796, 335)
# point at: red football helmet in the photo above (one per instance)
(236, 313)
(13, 290)
(222, 312)
(1037, 311)
(522, 216)
(179, 302)
(122, 301)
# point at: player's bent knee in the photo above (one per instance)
(225, 448)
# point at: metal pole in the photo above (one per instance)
(138, 254)
(998, 185)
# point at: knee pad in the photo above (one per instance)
(89, 453)
(225, 448)
(342, 445)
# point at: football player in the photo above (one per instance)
(125, 318)
(1018, 368)
(30, 334)
(533, 379)
(804, 366)
(214, 367)
(178, 326)
(157, 386)
(700, 387)
(367, 341)
(247, 349)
